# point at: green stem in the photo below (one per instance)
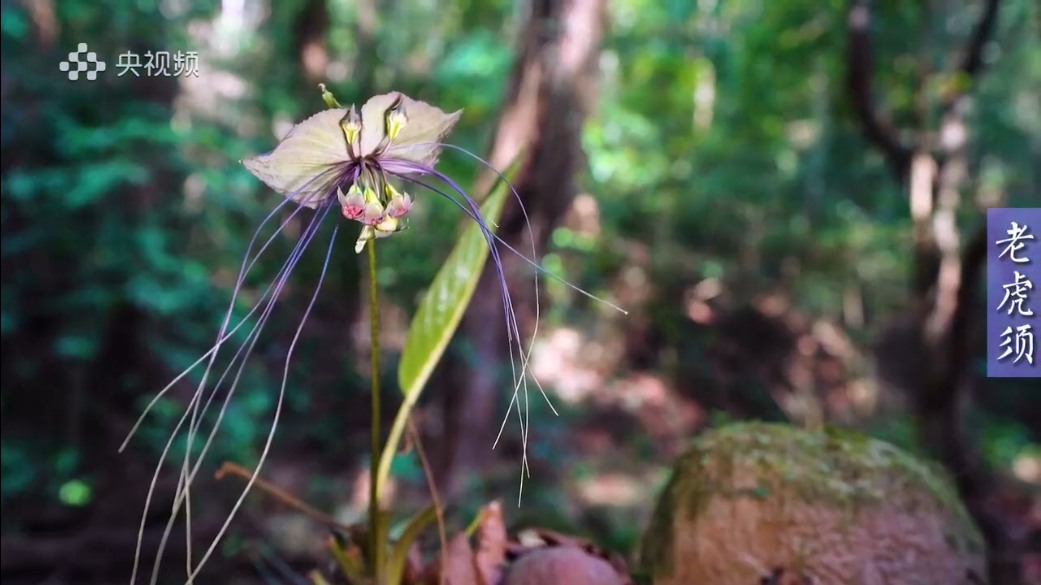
(375, 546)
(393, 439)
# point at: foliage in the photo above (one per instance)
(722, 148)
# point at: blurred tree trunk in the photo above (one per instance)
(551, 90)
(946, 279)
(309, 44)
(45, 21)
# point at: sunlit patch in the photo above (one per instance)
(612, 489)
(570, 363)
(1027, 468)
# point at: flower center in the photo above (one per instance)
(370, 198)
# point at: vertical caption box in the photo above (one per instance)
(1013, 268)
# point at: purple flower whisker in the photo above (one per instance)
(404, 168)
(278, 411)
(224, 335)
(278, 284)
(410, 171)
(274, 289)
(513, 329)
(244, 351)
(245, 267)
(473, 212)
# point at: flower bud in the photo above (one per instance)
(389, 226)
(367, 233)
(374, 211)
(398, 204)
(374, 214)
(353, 203)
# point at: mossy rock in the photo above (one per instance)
(839, 507)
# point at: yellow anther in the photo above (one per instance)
(396, 120)
(351, 125)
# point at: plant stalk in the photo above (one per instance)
(375, 546)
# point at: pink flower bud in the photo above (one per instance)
(353, 203)
(399, 205)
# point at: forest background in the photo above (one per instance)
(786, 195)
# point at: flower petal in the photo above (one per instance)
(418, 139)
(301, 166)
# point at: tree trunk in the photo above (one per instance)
(946, 278)
(309, 41)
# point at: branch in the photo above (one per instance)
(938, 403)
(859, 86)
(291, 501)
(972, 59)
(958, 346)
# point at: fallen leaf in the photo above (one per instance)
(554, 538)
(413, 566)
(460, 569)
(491, 545)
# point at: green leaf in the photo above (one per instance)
(350, 564)
(399, 553)
(446, 300)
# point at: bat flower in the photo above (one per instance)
(356, 161)
(351, 158)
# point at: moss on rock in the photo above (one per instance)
(834, 504)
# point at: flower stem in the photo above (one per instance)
(375, 546)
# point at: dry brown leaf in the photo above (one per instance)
(460, 569)
(413, 566)
(554, 538)
(491, 545)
